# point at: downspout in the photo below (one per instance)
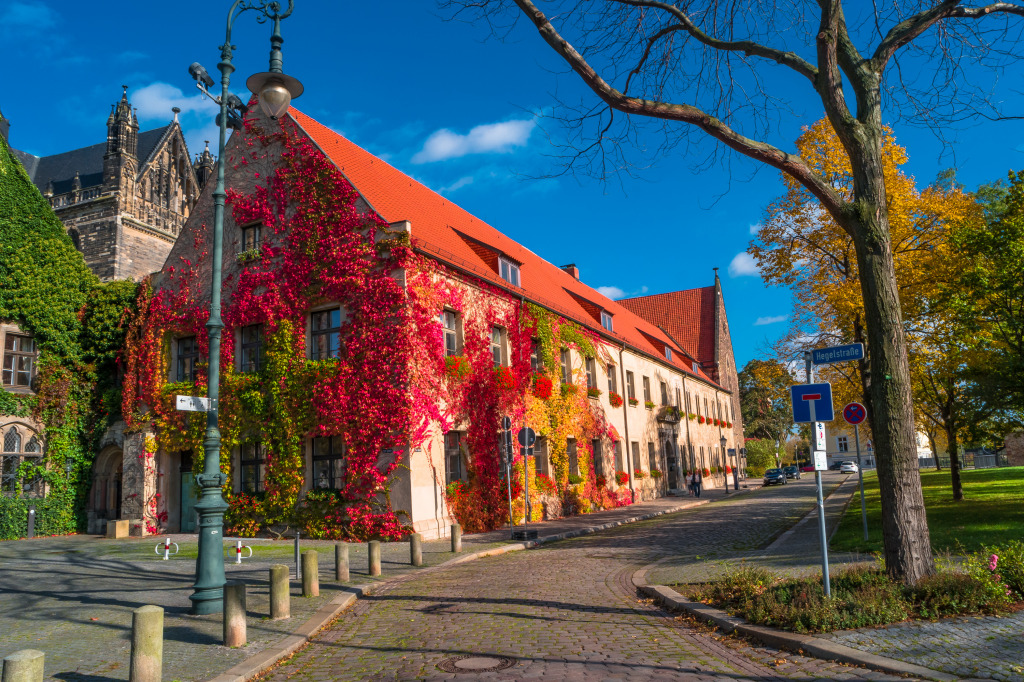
(627, 455)
(689, 443)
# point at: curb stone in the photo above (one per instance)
(818, 647)
(261, 662)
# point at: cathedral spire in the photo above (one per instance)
(204, 166)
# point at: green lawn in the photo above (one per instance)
(991, 513)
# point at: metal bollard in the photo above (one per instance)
(31, 521)
(456, 537)
(147, 644)
(234, 613)
(297, 567)
(165, 546)
(238, 551)
(310, 574)
(416, 549)
(341, 562)
(280, 597)
(24, 666)
(374, 552)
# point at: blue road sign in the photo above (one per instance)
(826, 356)
(854, 414)
(811, 403)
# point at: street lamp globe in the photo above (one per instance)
(275, 91)
(725, 443)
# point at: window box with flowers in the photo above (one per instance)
(614, 399)
(707, 472)
(638, 474)
(456, 366)
(621, 477)
(633, 402)
(728, 469)
(568, 389)
(656, 474)
(503, 378)
(649, 404)
(692, 416)
(700, 419)
(542, 386)
(715, 422)
(593, 392)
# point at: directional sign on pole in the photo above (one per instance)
(819, 436)
(192, 403)
(854, 414)
(812, 403)
(826, 356)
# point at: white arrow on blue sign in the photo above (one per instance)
(812, 403)
(826, 356)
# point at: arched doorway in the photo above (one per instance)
(105, 496)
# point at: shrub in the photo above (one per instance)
(760, 454)
(575, 479)
(951, 594)
(544, 485)
(755, 472)
(1010, 565)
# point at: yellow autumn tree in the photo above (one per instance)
(800, 245)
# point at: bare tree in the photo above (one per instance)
(725, 70)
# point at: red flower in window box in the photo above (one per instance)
(456, 366)
(602, 481)
(542, 386)
(707, 472)
(593, 392)
(622, 477)
(614, 399)
(700, 418)
(503, 378)
(633, 402)
(715, 421)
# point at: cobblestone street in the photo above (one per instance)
(567, 611)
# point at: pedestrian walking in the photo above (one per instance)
(695, 483)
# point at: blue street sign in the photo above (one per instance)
(826, 356)
(854, 414)
(811, 403)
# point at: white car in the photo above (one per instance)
(848, 468)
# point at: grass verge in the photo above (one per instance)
(991, 513)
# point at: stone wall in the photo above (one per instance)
(1015, 448)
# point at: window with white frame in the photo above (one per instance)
(635, 447)
(566, 364)
(591, 368)
(668, 353)
(647, 389)
(325, 334)
(19, 360)
(613, 386)
(329, 463)
(652, 457)
(664, 393)
(450, 324)
(509, 271)
(536, 359)
(619, 464)
(630, 386)
(453, 456)
(606, 320)
(498, 346)
(842, 444)
(572, 456)
(598, 454)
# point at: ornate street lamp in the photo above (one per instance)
(275, 91)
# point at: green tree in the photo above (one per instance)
(761, 455)
(764, 399)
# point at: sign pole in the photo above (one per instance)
(860, 475)
(825, 581)
(526, 488)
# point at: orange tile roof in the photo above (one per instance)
(436, 224)
(688, 316)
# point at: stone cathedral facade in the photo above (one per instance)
(123, 201)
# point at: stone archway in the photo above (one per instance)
(106, 491)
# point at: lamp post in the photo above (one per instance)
(275, 92)
(725, 456)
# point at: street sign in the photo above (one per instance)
(819, 436)
(811, 403)
(826, 356)
(506, 423)
(527, 436)
(854, 414)
(820, 460)
(192, 403)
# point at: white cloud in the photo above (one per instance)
(755, 228)
(489, 138)
(458, 184)
(742, 265)
(611, 292)
(769, 320)
(156, 99)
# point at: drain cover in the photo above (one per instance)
(475, 664)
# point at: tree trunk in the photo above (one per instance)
(954, 462)
(935, 450)
(906, 542)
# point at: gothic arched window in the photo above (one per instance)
(11, 458)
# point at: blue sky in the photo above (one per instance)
(462, 114)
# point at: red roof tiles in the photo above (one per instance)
(436, 227)
(688, 316)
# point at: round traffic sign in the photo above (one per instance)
(854, 414)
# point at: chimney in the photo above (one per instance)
(572, 270)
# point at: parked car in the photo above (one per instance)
(791, 472)
(807, 468)
(834, 466)
(848, 468)
(773, 476)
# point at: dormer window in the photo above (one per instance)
(606, 320)
(668, 353)
(509, 271)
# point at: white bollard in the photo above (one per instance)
(238, 552)
(165, 546)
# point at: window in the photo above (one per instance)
(668, 353)
(619, 464)
(606, 320)
(679, 399)
(251, 237)
(497, 347)
(449, 321)
(509, 271)
(664, 393)
(595, 447)
(328, 463)
(636, 455)
(16, 450)
(325, 327)
(652, 457)
(452, 456)
(696, 367)
(253, 461)
(647, 389)
(252, 348)
(630, 386)
(574, 463)
(536, 359)
(19, 360)
(842, 444)
(566, 366)
(188, 357)
(591, 368)
(613, 387)
(540, 452)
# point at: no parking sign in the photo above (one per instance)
(854, 414)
